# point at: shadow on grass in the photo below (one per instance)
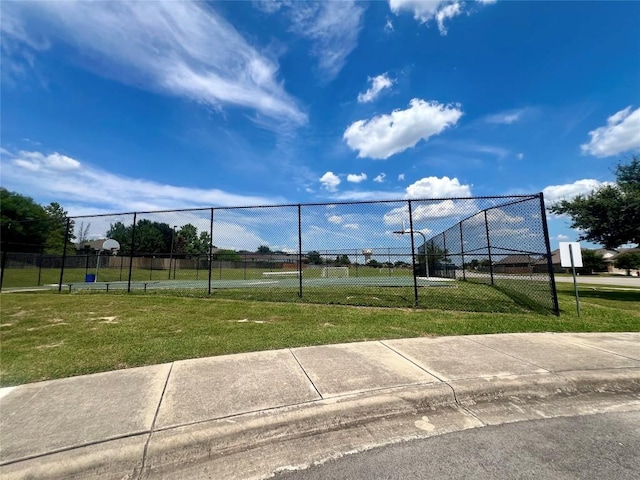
(614, 295)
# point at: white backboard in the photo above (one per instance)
(110, 244)
(565, 256)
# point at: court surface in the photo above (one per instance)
(271, 282)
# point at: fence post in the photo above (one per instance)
(413, 257)
(64, 253)
(40, 265)
(133, 243)
(486, 226)
(464, 275)
(3, 265)
(554, 293)
(210, 248)
(444, 247)
(300, 250)
(356, 262)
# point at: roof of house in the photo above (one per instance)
(91, 244)
(516, 260)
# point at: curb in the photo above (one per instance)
(257, 444)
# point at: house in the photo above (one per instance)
(516, 264)
(90, 246)
(610, 256)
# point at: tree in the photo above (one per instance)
(83, 233)
(57, 230)
(592, 261)
(24, 223)
(188, 235)
(627, 261)
(227, 255)
(264, 249)
(610, 215)
(342, 260)
(204, 243)
(314, 257)
(122, 234)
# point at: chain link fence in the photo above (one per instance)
(474, 254)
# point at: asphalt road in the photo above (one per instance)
(603, 446)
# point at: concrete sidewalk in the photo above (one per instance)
(248, 415)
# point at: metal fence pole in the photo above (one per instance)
(210, 250)
(64, 253)
(356, 262)
(464, 275)
(444, 247)
(552, 278)
(413, 257)
(3, 265)
(133, 243)
(486, 226)
(300, 249)
(40, 265)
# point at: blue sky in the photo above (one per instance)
(118, 106)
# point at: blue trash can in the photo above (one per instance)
(90, 278)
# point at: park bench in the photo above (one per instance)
(97, 286)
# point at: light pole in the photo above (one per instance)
(173, 237)
(424, 245)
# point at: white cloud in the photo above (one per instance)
(621, 134)
(330, 181)
(427, 10)
(388, 26)
(92, 189)
(520, 156)
(507, 118)
(424, 211)
(354, 178)
(434, 187)
(335, 219)
(183, 49)
(333, 27)
(351, 226)
(555, 193)
(445, 13)
(378, 84)
(380, 178)
(35, 161)
(560, 237)
(386, 135)
(401, 177)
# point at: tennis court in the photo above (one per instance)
(272, 282)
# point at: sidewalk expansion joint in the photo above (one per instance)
(306, 374)
(153, 423)
(412, 362)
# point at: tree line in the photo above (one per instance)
(27, 226)
(160, 238)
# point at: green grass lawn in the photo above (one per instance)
(48, 335)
